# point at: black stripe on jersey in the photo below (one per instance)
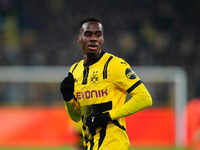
(102, 135)
(116, 122)
(97, 108)
(92, 143)
(134, 86)
(74, 67)
(103, 131)
(85, 75)
(85, 147)
(106, 67)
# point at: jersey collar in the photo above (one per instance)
(94, 60)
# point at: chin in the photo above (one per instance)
(91, 53)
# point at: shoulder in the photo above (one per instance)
(115, 58)
(118, 67)
(117, 61)
(74, 66)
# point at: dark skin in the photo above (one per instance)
(91, 40)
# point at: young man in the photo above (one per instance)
(95, 92)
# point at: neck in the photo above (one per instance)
(89, 58)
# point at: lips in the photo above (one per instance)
(93, 47)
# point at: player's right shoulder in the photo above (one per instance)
(74, 66)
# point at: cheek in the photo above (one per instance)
(83, 42)
(101, 41)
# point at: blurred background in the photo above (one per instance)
(43, 33)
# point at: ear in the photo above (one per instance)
(78, 39)
(103, 41)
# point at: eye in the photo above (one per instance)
(88, 34)
(98, 33)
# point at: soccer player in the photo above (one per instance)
(95, 92)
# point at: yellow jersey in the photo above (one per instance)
(101, 87)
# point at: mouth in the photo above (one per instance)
(93, 47)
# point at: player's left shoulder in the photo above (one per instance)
(119, 66)
(118, 61)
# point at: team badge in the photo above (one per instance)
(130, 73)
(94, 77)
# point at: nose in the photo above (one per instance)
(93, 37)
(93, 41)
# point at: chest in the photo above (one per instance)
(91, 84)
(90, 75)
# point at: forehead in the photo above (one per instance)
(92, 26)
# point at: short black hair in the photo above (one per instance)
(90, 19)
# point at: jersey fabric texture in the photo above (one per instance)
(101, 87)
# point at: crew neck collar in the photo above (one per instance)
(102, 52)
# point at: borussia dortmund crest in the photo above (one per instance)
(94, 77)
